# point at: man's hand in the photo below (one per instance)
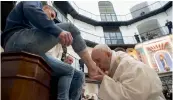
(96, 74)
(100, 75)
(66, 38)
(94, 70)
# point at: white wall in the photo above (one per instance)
(88, 31)
(75, 63)
(131, 29)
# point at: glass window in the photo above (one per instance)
(108, 17)
(109, 10)
(112, 35)
(101, 3)
(120, 41)
(107, 35)
(102, 10)
(114, 41)
(114, 18)
(103, 17)
(108, 41)
(119, 36)
(105, 7)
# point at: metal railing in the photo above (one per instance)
(148, 35)
(154, 33)
(110, 17)
(92, 37)
(102, 39)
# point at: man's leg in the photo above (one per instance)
(170, 31)
(64, 73)
(35, 41)
(31, 40)
(76, 85)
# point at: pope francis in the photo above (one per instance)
(125, 78)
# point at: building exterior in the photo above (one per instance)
(115, 30)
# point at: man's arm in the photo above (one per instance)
(33, 12)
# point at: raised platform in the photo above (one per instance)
(24, 77)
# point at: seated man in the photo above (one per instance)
(127, 79)
(30, 27)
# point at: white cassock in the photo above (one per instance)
(56, 51)
(131, 80)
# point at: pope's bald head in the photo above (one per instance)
(102, 47)
(101, 55)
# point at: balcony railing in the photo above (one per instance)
(110, 17)
(101, 39)
(148, 35)
(155, 33)
(92, 37)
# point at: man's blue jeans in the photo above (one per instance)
(37, 42)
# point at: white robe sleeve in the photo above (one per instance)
(133, 84)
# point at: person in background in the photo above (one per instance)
(127, 79)
(81, 63)
(30, 27)
(169, 25)
(137, 38)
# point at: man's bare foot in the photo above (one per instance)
(94, 71)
